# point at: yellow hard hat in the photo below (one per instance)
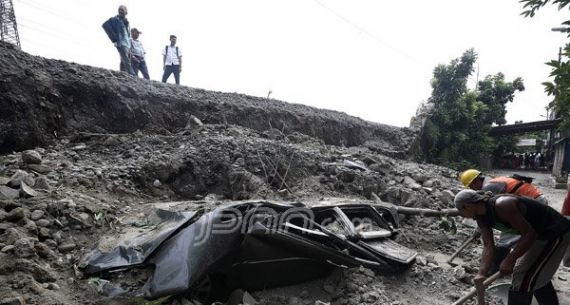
(468, 176)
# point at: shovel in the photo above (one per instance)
(463, 246)
(479, 290)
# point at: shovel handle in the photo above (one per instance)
(473, 291)
(463, 246)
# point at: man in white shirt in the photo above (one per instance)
(138, 52)
(172, 61)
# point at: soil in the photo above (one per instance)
(90, 153)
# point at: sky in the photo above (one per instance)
(369, 58)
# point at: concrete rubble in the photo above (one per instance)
(87, 154)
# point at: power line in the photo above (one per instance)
(60, 16)
(61, 37)
(48, 28)
(366, 32)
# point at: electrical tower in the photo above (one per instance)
(8, 26)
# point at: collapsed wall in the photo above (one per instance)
(43, 99)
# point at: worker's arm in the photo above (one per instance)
(508, 210)
(163, 62)
(180, 60)
(495, 187)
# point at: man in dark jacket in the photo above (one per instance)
(117, 28)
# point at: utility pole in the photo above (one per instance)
(8, 26)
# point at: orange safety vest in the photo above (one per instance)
(518, 187)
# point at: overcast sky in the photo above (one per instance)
(369, 58)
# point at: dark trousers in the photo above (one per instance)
(125, 60)
(169, 70)
(140, 65)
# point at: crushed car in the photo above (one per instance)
(254, 245)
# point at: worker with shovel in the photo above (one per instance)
(517, 185)
(545, 235)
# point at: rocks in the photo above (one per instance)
(20, 176)
(24, 248)
(421, 260)
(461, 275)
(8, 193)
(42, 184)
(14, 234)
(13, 301)
(7, 249)
(39, 168)
(26, 191)
(432, 183)
(67, 247)
(419, 177)
(411, 183)
(4, 180)
(37, 214)
(194, 123)
(17, 214)
(392, 195)
(447, 197)
(43, 223)
(31, 157)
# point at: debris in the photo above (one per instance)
(193, 123)
(42, 184)
(39, 168)
(300, 233)
(13, 301)
(17, 214)
(447, 197)
(31, 157)
(26, 191)
(20, 176)
(8, 193)
(354, 165)
(66, 247)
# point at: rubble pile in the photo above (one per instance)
(60, 201)
(88, 154)
(44, 99)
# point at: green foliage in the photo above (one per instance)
(495, 92)
(448, 225)
(456, 135)
(560, 87)
(532, 6)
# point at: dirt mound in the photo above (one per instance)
(44, 99)
(109, 149)
(93, 188)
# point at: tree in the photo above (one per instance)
(457, 132)
(532, 6)
(495, 92)
(559, 88)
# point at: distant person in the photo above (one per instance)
(517, 185)
(117, 28)
(172, 61)
(138, 53)
(545, 236)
